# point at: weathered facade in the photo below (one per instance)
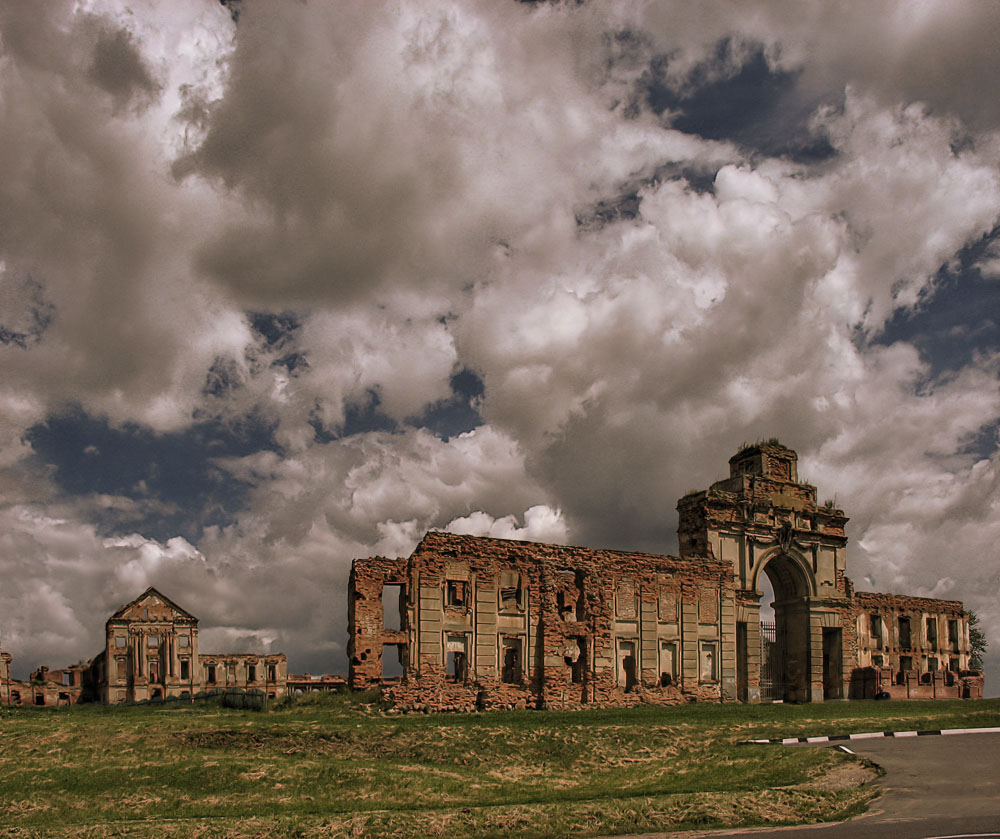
(151, 652)
(468, 622)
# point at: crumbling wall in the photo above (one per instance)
(494, 623)
(912, 648)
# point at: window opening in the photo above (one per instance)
(510, 591)
(953, 635)
(875, 629)
(251, 672)
(120, 642)
(392, 661)
(272, 673)
(184, 640)
(931, 624)
(456, 661)
(210, 678)
(152, 641)
(392, 607)
(904, 633)
(510, 672)
(185, 669)
(456, 593)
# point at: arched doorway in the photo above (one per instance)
(782, 583)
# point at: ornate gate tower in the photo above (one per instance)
(762, 520)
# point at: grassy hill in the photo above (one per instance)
(337, 767)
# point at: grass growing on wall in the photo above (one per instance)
(336, 767)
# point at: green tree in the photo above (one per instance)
(977, 640)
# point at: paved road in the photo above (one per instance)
(946, 786)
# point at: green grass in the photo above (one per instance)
(337, 767)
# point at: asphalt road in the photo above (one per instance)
(934, 787)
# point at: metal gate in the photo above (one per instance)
(772, 663)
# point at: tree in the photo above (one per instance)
(977, 641)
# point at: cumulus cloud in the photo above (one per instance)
(318, 214)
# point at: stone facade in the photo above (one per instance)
(469, 622)
(151, 653)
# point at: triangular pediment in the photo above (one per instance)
(152, 605)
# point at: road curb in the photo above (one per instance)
(872, 735)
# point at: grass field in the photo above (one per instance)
(336, 767)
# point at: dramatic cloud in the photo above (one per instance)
(286, 290)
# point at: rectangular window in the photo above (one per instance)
(953, 664)
(122, 665)
(272, 673)
(392, 607)
(709, 661)
(953, 635)
(251, 672)
(210, 674)
(931, 629)
(184, 640)
(905, 663)
(185, 669)
(510, 591)
(878, 661)
(152, 641)
(121, 642)
(904, 633)
(455, 593)
(510, 658)
(154, 670)
(875, 629)
(456, 659)
(67, 678)
(625, 600)
(932, 665)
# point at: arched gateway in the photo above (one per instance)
(763, 521)
(477, 622)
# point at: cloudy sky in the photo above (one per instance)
(285, 284)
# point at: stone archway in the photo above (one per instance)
(784, 651)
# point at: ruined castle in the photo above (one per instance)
(467, 622)
(472, 622)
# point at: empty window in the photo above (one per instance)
(456, 659)
(578, 665)
(952, 634)
(392, 607)
(875, 629)
(121, 642)
(210, 677)
(932, 665)
(251, 672)
(67, 678)
(627, 665)
(953, 664)
(39, 698)
(510, 653)
(931, 625)
(15, 696)
(392, 661)
(905, 663)
(904, 633)
(510, 590)
(154, 671)
(455, 593)
(185, 669)
(878, 661)
(709, 661)
(272, 673)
